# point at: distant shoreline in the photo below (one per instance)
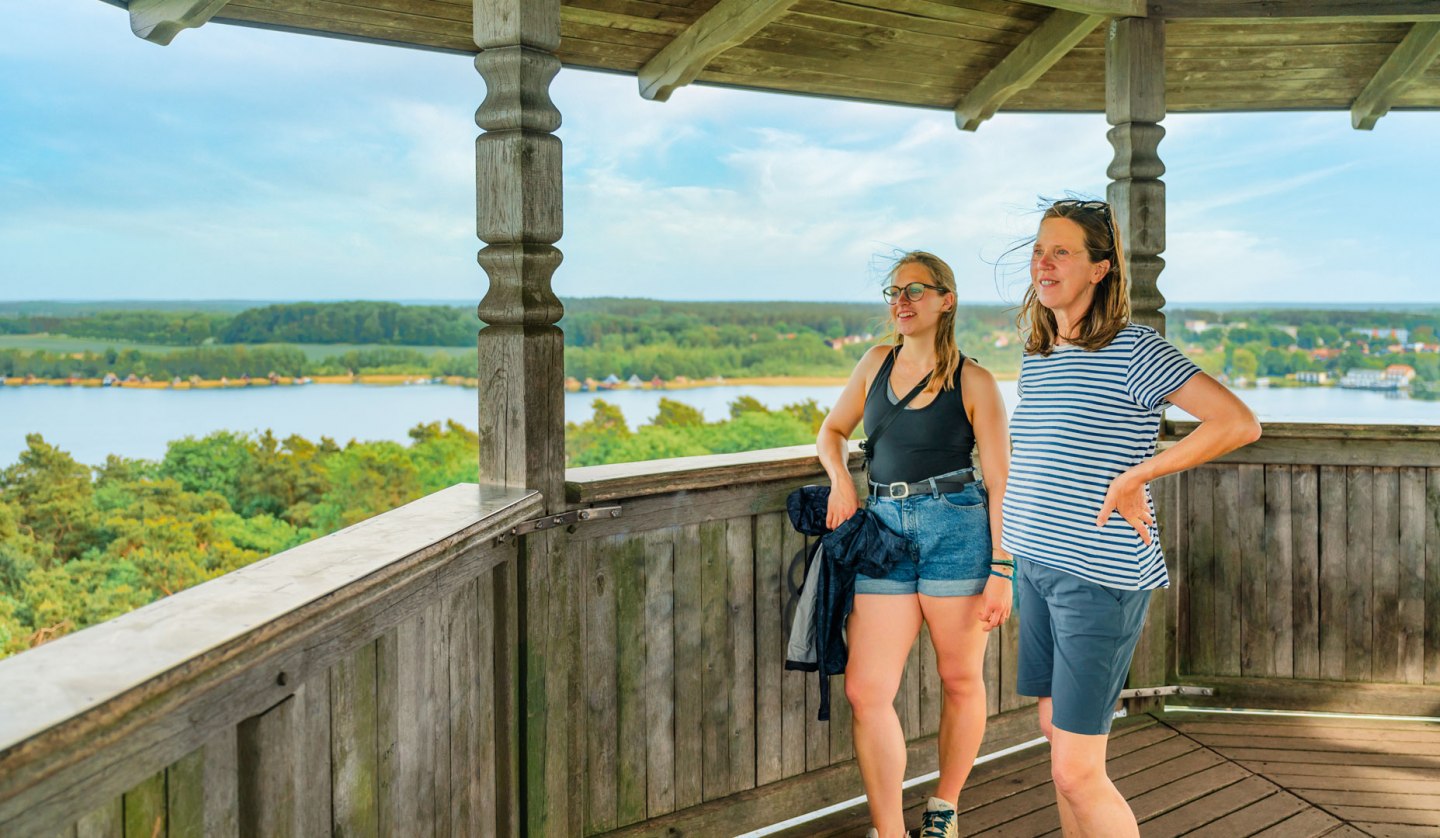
(396, 380)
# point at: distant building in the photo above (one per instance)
(1383, 333)
(1394, 377)
(1312, 377)
(1404, 373)
(1196, 325)
(634, 381)
(848, 340)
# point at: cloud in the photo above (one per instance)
(293, 166)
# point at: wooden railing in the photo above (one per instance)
(359, 684)
(1309, 567)
(424, 673)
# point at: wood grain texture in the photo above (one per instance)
(1024, 65)
(726, 24)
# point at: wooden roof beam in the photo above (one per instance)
(1107, 8)
(159, 21)
(1408, 62)
(727, 24)
(1054, 37)
(1337, 11)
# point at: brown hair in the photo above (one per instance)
(1109, 311)
(947, 351)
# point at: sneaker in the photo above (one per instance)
(939, 820)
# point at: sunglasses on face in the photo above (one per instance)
(913, 292)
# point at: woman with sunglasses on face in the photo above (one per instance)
(1078, 514)
(922, 486)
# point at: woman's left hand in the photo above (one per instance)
(1127, 496)
(995, 603)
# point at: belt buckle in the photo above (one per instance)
(899, 491)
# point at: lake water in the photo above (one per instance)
(93, 422)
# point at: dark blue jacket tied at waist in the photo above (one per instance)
(860, 545)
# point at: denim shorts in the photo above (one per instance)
(1076, 640)
(949, 537)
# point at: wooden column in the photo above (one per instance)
(518, 216)
(1135, 105)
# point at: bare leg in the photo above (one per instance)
(959, 640)
(1077, 764)
(1068, 825)
(880, 632)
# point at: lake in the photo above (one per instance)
(92, 422)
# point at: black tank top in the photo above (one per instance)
(918, 444)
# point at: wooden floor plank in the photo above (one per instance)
(1366, 745)
(1211, 807)
(1384, 830)
(1396, 731)
(1322, 757)
(1385, 800)
(1339, 770)
(1409, 817)
(1310, 823)
(1309, 782)
(1264, 814)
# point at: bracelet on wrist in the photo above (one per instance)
(1006, 577)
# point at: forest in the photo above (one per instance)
(80, 545)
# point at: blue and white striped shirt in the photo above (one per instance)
(1084, 417)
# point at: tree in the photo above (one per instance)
(746, 404)
(214, 463)
(53, 494)
(1244, 364)
(675, 414)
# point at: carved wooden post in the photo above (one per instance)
(1135, 104)
(518, 216)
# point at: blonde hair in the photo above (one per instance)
(1109, 311)
(947, 351)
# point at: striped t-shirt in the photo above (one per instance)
(1084, 417)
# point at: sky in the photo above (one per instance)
(239, 163)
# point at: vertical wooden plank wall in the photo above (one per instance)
(1311, 572)
(687, 701)
(409, 734)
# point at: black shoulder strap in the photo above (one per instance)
(868, 446)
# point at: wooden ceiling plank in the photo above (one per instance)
(1405, 65)
(159, 21)
(728, 23)
(1104, 8)
(345, 29)
(1292, 10)
(1023, 66)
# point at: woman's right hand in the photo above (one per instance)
(843, 504)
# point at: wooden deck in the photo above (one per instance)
(1222, 775)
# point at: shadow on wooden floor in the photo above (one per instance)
(1219, 774)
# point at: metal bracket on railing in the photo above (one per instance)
(1152, 692)
(574, 516)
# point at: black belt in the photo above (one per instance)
(924, 487)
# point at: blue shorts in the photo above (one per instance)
(949, 537)
(1076, 640)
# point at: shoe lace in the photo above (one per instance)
(936, 823)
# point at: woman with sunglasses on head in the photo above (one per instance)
(1077, 513)
(923, 486)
